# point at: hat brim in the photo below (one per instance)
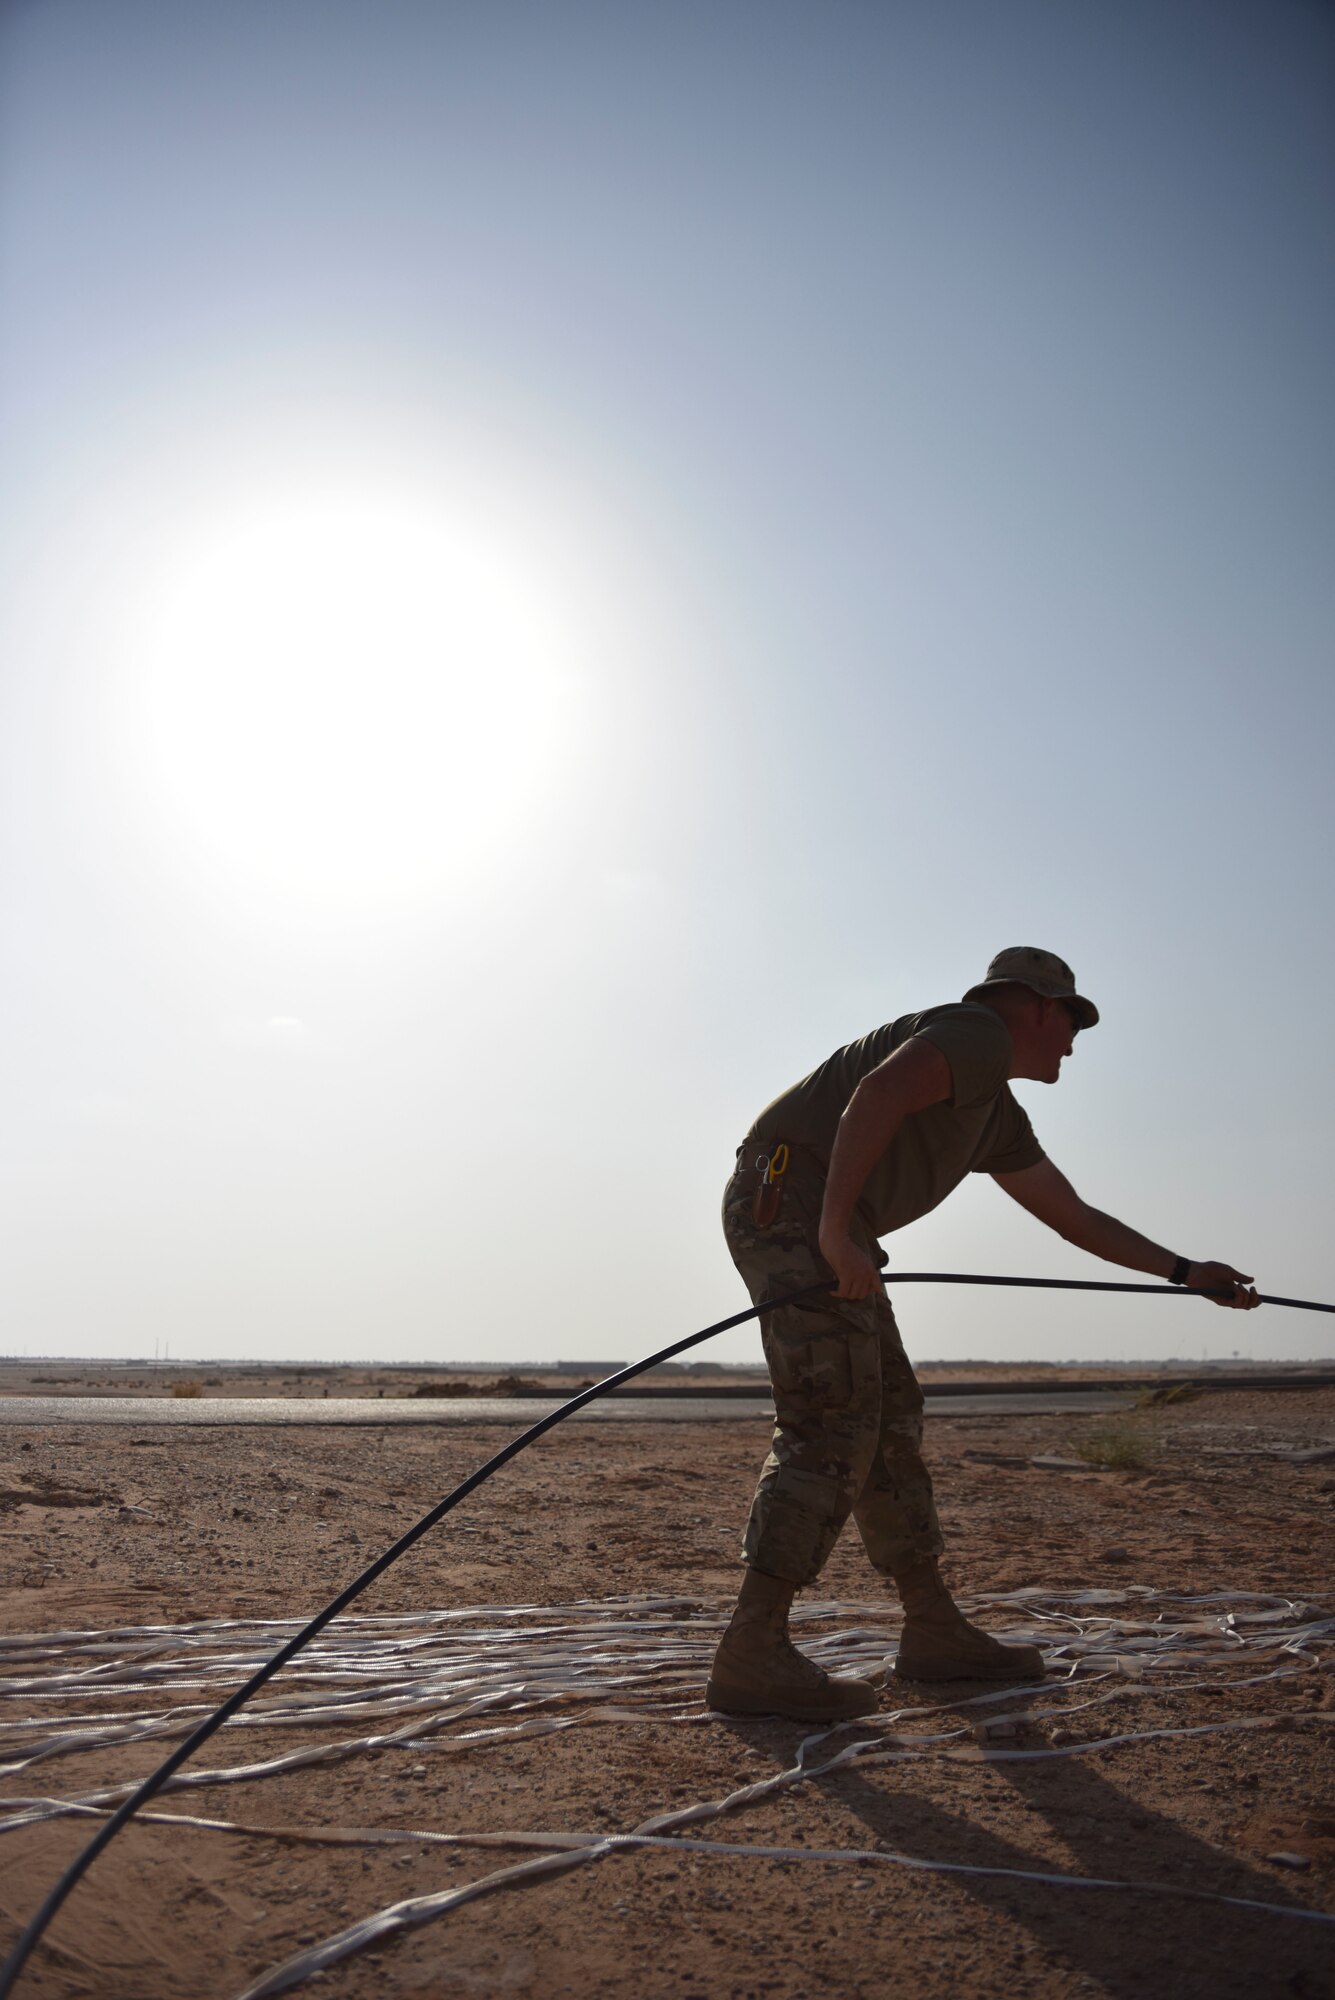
(1088, 1012)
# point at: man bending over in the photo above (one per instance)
(874, 1138)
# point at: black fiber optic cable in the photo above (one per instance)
(154, 1783)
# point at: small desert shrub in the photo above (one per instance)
(1114, 1447)
(1181, 1392)
(187, 1388)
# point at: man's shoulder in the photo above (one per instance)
(958, 1023)
(975, 1042)
(965, 1018)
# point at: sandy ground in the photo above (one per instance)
(103, 1528)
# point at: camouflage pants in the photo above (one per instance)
(848, 1409)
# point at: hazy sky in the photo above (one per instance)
(559, 561)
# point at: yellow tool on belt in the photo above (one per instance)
(768, 1196)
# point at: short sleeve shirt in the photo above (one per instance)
(979, 1129)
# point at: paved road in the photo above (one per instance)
(514, 1413)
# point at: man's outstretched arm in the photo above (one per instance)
(1045, 1191)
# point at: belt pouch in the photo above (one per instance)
(766, 1202)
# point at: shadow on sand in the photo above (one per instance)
(1131, 1946)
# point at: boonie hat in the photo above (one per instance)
(1043, 972)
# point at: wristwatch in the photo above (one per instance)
(1178, 1274)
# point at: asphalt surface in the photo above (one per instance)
(514, 1412)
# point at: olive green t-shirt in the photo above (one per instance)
(979, 1129)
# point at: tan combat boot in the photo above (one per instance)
(758, 1671)
(939, 1644)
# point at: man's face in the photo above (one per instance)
(1061, 1025)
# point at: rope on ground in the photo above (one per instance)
(464, 1680)
(533, 1670)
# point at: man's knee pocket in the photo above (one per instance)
(814, 1371)
(825, 1366)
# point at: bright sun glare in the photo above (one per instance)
(347, 701)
